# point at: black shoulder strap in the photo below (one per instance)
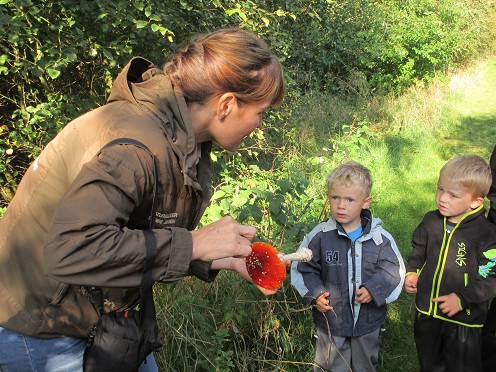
(148, 318)
(134, 142)
(147, 306)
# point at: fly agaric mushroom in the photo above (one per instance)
(266, 267)
(302, 255)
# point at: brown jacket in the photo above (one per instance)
(77, 219)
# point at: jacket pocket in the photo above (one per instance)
(69, 314)
(369, 262)
(336, 295)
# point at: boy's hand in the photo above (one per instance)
(363, 296)
(449, 304)
(411, 283)
(322, 303)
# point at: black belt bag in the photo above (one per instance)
(121, 341)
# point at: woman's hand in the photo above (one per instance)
(238, 265)
(221, 239)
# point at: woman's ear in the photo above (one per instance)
(225, 105)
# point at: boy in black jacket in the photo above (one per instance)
(447, 269)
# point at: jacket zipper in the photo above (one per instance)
(436, 283)
(353, 277)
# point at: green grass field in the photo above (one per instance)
(462, 121)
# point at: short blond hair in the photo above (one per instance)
(353, 173)
(470, 171)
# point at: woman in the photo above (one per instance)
(77, 218)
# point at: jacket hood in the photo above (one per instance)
(141, 83)
(369, 223)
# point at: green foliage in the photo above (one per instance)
(231, 326)
(59, 58)
(274, 199)
(425, 37)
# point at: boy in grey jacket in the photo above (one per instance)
(355, 271)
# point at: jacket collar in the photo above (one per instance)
(141, 83)
(468, 217)
(369, 223)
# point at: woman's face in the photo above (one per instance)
(241, 121)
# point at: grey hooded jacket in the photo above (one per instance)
(341, 267)
(76, 220)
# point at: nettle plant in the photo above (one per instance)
(274, 201)
(348, 144)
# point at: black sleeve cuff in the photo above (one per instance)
(201, 269)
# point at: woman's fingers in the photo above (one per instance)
(222, 238)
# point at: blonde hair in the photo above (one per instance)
(227, 60)
(353, 173)
(470, 171)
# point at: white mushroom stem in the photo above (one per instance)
(302, 254)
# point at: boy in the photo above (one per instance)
(355, 271)
(447, 269)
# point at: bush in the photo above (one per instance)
(59, 58)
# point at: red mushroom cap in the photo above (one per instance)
(265, 267)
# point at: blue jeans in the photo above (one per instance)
(20, 353)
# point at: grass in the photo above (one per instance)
(448, 120)
(444, 121)
(229, 326)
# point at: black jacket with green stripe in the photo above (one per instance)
(449, 263)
